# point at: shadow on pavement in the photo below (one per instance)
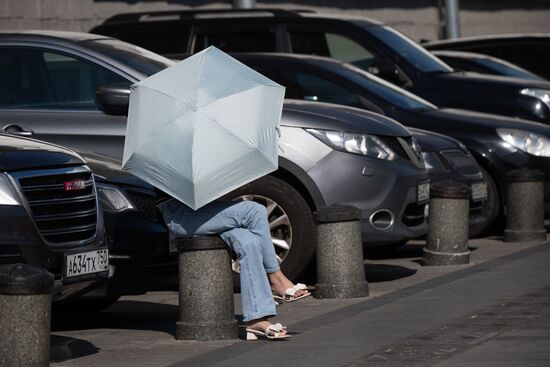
(64, 348)
(376, 273)
(407, 251)
(134, 315)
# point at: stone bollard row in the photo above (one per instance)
(525, 206)
(25, 315)
(206, 307)
(447, 240)
(340, 264)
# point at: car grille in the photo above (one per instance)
(393, 143)
(146, 204)
(62, 216)
(462, 162)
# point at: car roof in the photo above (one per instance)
(42, 34)
(489, 38)
(464, 54)
(257, 13)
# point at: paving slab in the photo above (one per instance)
(406, 300)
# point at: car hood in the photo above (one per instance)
(18, 153)
(492, 81)
(325, 116)
(107, 169)
(466, 120)
(434, 142)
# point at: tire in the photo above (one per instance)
(294, 237)
(490, 209)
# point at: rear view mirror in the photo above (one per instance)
(114, 98)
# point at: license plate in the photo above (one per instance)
(479, 191)
(83, 263)
(423, 192)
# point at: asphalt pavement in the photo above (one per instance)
(493, 312)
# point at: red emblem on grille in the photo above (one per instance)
(75, 185)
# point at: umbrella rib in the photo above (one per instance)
(244, 90)
(237, 137)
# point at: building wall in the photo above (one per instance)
(417, 18)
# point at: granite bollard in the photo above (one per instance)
(340, 264)
(206, 308)
(447, 242)
(525, 206)
(25, 315)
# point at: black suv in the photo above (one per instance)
(365, 43)
(49, 213)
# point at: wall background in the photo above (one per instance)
(417, 18)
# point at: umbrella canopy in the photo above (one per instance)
(203, 127)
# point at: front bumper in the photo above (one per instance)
(373, 185)
(21, 242)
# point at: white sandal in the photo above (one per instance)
(272, 332)
(290, 293)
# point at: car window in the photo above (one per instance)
(39, 79)
(343, 48)
(416, 55)
(160, 38)
(314, 88)
(246, 41)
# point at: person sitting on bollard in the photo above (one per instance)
(245, 229)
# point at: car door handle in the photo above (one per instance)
(17, 130)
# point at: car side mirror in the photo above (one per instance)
(386, 71)
(114, 99)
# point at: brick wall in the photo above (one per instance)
(417, 18)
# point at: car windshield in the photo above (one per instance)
(416, 55)
(507, 69)
(144, 61)
(385, 90)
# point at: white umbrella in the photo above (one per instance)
(203, 127)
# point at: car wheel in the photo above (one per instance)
(292, 226)
(490, 208)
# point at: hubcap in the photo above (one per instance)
(279, 224)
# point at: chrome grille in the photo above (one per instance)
(61, 216)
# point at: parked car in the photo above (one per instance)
(78, 97)
(498, 143)
(49, 214)
(365, 43)
(531, 51)
(484, 64)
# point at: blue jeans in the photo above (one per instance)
(244, 228)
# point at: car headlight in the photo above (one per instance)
(7, 192)
(432, 162)
(526, 141)
(542, 94)
(113, 199)
(362, 144)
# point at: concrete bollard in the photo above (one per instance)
(206, 307)
(525, 206)
(340, 264)
(25, 315)
(447, 242)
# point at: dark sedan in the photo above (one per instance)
(498, 143)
